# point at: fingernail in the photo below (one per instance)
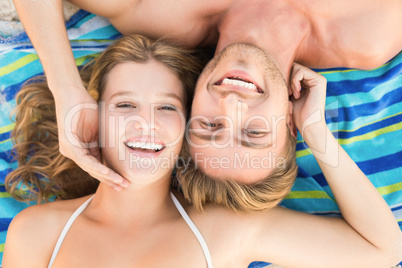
(125, 184)
(104, 171)
(117, 188)
(118, 180)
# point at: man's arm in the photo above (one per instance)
(367, 236)
(44, 24)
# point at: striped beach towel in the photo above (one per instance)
(364, 111)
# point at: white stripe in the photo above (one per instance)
(194, 229)
(66, 228)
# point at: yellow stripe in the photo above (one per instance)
(18, 64)
(4, 194)
(389, 189)
(1, 247)
(367, 136)
(7, 128)
(308, 194)
(370, 123)
(379, 120)
(372, 134)
(79, 61)
(302, 153)
(7, 140)
(353, 70)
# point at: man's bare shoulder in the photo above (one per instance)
(33, 233)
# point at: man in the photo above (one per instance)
(317, 34)
(247, 126)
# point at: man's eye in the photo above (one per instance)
(124, 105)
(210, 125)
(254, 133)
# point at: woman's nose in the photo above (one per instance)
(146, 121)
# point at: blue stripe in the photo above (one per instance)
(22, 37)
(75, 46)
(391, 110)
(369, 128)
(258, 264)
(354, 112)
(6, 156)
(4, 223)
(9, 92)
(5, 136)
(372, 166)
(82, 20)
(362, 85)
(336, 70)
(355, 98)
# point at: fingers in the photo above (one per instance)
(303, 76)
(96, 169)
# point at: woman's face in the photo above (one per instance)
(142, 120)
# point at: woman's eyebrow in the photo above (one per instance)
(123, 93)
(171, 95)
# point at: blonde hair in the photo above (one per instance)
(200, 189)
(42, 171)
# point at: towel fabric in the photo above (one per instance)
(363, 110)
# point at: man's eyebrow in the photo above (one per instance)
(205, 137)
(248, 144)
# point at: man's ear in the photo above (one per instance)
(290, 121)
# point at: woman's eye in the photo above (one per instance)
(124, 105)
(168, 108)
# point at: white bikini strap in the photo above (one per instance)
(194, 229)
(66, 228)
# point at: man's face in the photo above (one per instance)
(239, 117)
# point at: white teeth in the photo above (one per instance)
(234, 82)
(142, 145)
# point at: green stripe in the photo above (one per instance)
(1, 247)
(371, 135)
(367, 136)
(4, 194)
(82, 60)
(18, 64)
(4, 141)
(94, 40)
(371, 123)
(7, 128)
(389, 189)
(353, 70)
(308, 194)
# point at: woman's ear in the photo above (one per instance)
(290, 121)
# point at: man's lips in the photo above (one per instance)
(239, 80)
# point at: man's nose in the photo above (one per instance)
(233, 108)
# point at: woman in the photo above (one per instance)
(143, 225)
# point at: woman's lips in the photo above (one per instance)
(144, 153)
(145, 146)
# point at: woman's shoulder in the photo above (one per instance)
(37, 217)
(33, 233)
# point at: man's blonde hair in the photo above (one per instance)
(200, 189)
